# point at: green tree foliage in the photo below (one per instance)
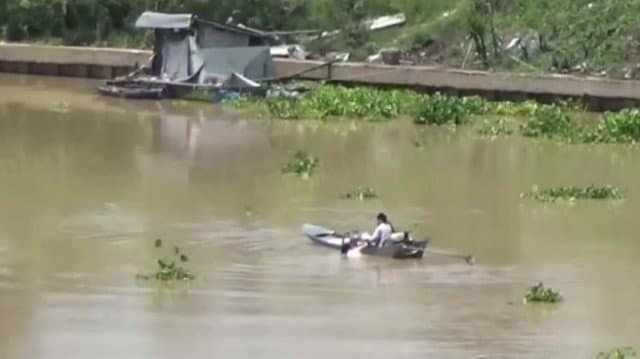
(82, 22)
(558, 35)
(561, 35)
(100, 21)
(481, 22)
(76, 22)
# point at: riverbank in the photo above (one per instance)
(88, 62)
(597, 93)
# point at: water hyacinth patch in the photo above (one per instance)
(336, 102)
(169, 270)
(439, 109)
(60, 107)
(514, 109)
(302, 164)
(361, 194)
(563, 122)
(547, 122)
(358, 102)
(495, 127)
(539, 294)
(572, 193)
(618, 353)
(284, 108)
(555, 122)
(368, 103)
(620, 127)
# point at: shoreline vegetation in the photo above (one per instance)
(566, 122)
(559, 36)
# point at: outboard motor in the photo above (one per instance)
(345, 248)
(347, 243)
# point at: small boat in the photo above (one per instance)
(402, 246)
(133, 91)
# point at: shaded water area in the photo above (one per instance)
(87, 185)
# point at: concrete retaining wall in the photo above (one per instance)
(598, 93)
(69, 61)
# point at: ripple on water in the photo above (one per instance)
(111, 223)
(7, 278)
(239, 242)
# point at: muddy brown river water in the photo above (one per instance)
(87, 183)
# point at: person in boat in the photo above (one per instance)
(383, 231)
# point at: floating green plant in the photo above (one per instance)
(514, 109)
(60, 106)
(495, 127)
(439, 109)
(358, 102)
(417, 143)
(336, 102)
(361, 194)
(561, 122)
(572, 193)
(303, 165)
(538, 293)
(555, 122)
(284, 108)
(618, 127)
(169, 270)
(618, 353)
(548, 122)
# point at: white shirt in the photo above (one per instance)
(382, 233)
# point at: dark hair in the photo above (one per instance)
(382, 217)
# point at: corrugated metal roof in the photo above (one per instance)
(157, 20)
(233, 28)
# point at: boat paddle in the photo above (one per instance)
(467, 258)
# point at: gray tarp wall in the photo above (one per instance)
(176, 54)
(253, 62)
(212, 37)
(223, 49)
(195, 58)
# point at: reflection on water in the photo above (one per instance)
(84, 193)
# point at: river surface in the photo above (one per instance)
(87, 184)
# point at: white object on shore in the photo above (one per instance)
(385, 21)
